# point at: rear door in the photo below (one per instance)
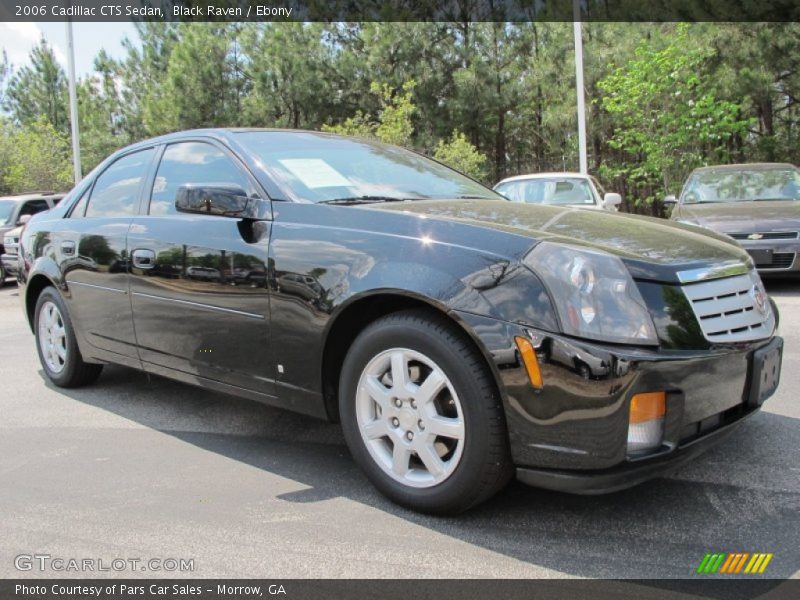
(200, 298)
(92, 254)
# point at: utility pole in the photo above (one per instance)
(73, 105)
(576, 15)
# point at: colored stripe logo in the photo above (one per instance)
(734, 563)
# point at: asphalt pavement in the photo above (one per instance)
(142, 467)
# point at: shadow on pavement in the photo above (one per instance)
(727, 501)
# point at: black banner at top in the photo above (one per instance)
(400, 10)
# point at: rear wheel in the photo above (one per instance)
(422, 416)
(56, 344)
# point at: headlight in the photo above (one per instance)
(594, 294)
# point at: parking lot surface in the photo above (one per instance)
(142, 467)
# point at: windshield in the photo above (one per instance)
(6, 208)
(556, 190)
(742, 185)
(322, 168)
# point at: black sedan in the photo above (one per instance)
(459, 338)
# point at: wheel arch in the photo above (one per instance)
(356, 314)
(33, 289)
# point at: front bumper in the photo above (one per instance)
(630, 473)
(571, 435)
(777, 258)
(10, 264)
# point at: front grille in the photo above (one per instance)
(767, 235)
(733, 309)
(780, 260)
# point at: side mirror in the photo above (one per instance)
(611, 200)
(671, 199)
(23, 219)
(224, 200)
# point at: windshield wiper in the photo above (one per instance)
(772, 199)
(365, 200)
(475, 198)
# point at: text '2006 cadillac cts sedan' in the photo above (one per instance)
(458, 337)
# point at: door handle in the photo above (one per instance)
(143, 258)
(68, 247)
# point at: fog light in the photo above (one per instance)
(646, 424)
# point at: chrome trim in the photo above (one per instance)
(731, 310)
(202, 306)
(98, 287)
(766, 236)
(716, 272)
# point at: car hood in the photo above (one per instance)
(736, 217)
(652, 248)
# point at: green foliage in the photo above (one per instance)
(203, 86)
(39, 90)
(458, 153)
(493, 99)
(393, 125)
(668, 119)
(36, 156)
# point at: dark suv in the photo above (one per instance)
(14, 213)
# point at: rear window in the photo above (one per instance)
(742, 185)
(116, 191)
(566, 191)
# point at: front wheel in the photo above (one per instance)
(422, 416)
(2, 275)
(56, 343)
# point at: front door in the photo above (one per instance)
(198, 282)
(93, 257)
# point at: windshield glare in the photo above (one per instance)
(557, 191)
(742, 186)
(6, 208)
(316, 167)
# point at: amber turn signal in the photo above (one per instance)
(648, 406)
(530, 361)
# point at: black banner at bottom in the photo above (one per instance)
(390, 589)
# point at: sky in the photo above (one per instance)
(17, 39)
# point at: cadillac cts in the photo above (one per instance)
(459, 338)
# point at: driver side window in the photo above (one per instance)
(195, 163)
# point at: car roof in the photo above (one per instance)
(543, 176)
(34, 196)
(219, 133)
(745, 167)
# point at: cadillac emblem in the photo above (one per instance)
(759, 299)
(755, 236)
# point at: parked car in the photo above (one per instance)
(437, 321)
(14, 213)
(758, 205)
(559, 189)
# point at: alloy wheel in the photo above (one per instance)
(410, 417)
(52, 337)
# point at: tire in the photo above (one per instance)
(63, 365)
(448, 390)
(2, 275)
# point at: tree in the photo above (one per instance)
(38, 159)
(288, 69)
(203, 86)
(5, 73)
(668, 117)
(458, 153)
(39, 90)
(393, 125)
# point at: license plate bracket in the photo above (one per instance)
(761, 256)
(766, 372)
